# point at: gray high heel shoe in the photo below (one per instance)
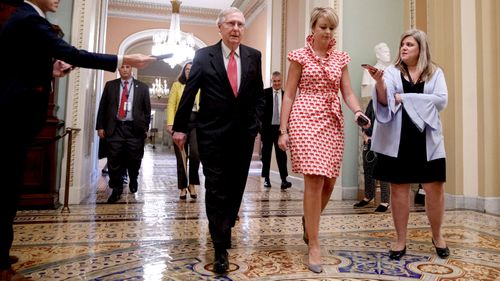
(316, 268)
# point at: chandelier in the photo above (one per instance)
(159, 88)
(175, 42)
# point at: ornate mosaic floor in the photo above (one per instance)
(153, 236)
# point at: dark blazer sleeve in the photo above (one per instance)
(268, 109)
(257, 90)
(62, 50)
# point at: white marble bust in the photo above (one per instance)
(383, 56)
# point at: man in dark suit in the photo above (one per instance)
(122, 121)
(28, 48)
(271, 131)
(229, 77)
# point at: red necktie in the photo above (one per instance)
(232, 73)
(121, 111)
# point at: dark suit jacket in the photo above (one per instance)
(267, 118)
(108, 108)
(27, 50)
(221, 113)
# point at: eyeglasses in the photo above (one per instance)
(232, 24)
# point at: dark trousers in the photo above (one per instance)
(225, 165)
(270, 138)
(125, 152)
(191, 149)
(369, 160)
(11, 175)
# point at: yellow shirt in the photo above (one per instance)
(173, 101)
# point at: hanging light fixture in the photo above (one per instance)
(159, 88)
(175, 42)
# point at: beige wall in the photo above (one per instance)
(463, 36)
(255, 36)
(488, 62)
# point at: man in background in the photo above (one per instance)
(271, 131)
(122, 121)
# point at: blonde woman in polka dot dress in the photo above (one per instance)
(312, 124)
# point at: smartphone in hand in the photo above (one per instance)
(370, 68)
(362, 120)
(164, 56)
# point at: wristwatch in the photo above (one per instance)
(283, 132)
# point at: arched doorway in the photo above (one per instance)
(141, 42)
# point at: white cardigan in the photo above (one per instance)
(423, 110)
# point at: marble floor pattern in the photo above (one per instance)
(152, 235)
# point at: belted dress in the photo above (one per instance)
(316, 122)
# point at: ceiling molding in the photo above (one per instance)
(151, 11)
(254, 10)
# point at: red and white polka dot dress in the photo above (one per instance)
(316, 123)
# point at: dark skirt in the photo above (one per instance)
(411, 165)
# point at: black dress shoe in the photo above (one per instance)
(133, 185)
(221, 262)
(362, 203)
(397, 255)
(115, 196)
(267, 182)
(285, 184)
(441, 252)
(381, 208)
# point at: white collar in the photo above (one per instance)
(129, 81)
(226, 51)
(37, 9)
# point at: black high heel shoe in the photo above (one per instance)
(183, 197)
(397, 255)
(192, 194)
(441, 252)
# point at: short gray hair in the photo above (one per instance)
(225, 12)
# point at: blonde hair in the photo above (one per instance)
(425, 66)
(326, 12)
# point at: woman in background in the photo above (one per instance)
(191, 147)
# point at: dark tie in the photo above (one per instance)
(276, 110)
(232, 73)
(121, 111)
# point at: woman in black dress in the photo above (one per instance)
(408, 136)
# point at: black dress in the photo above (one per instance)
(411, 165)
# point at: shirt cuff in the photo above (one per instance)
(120, 61)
